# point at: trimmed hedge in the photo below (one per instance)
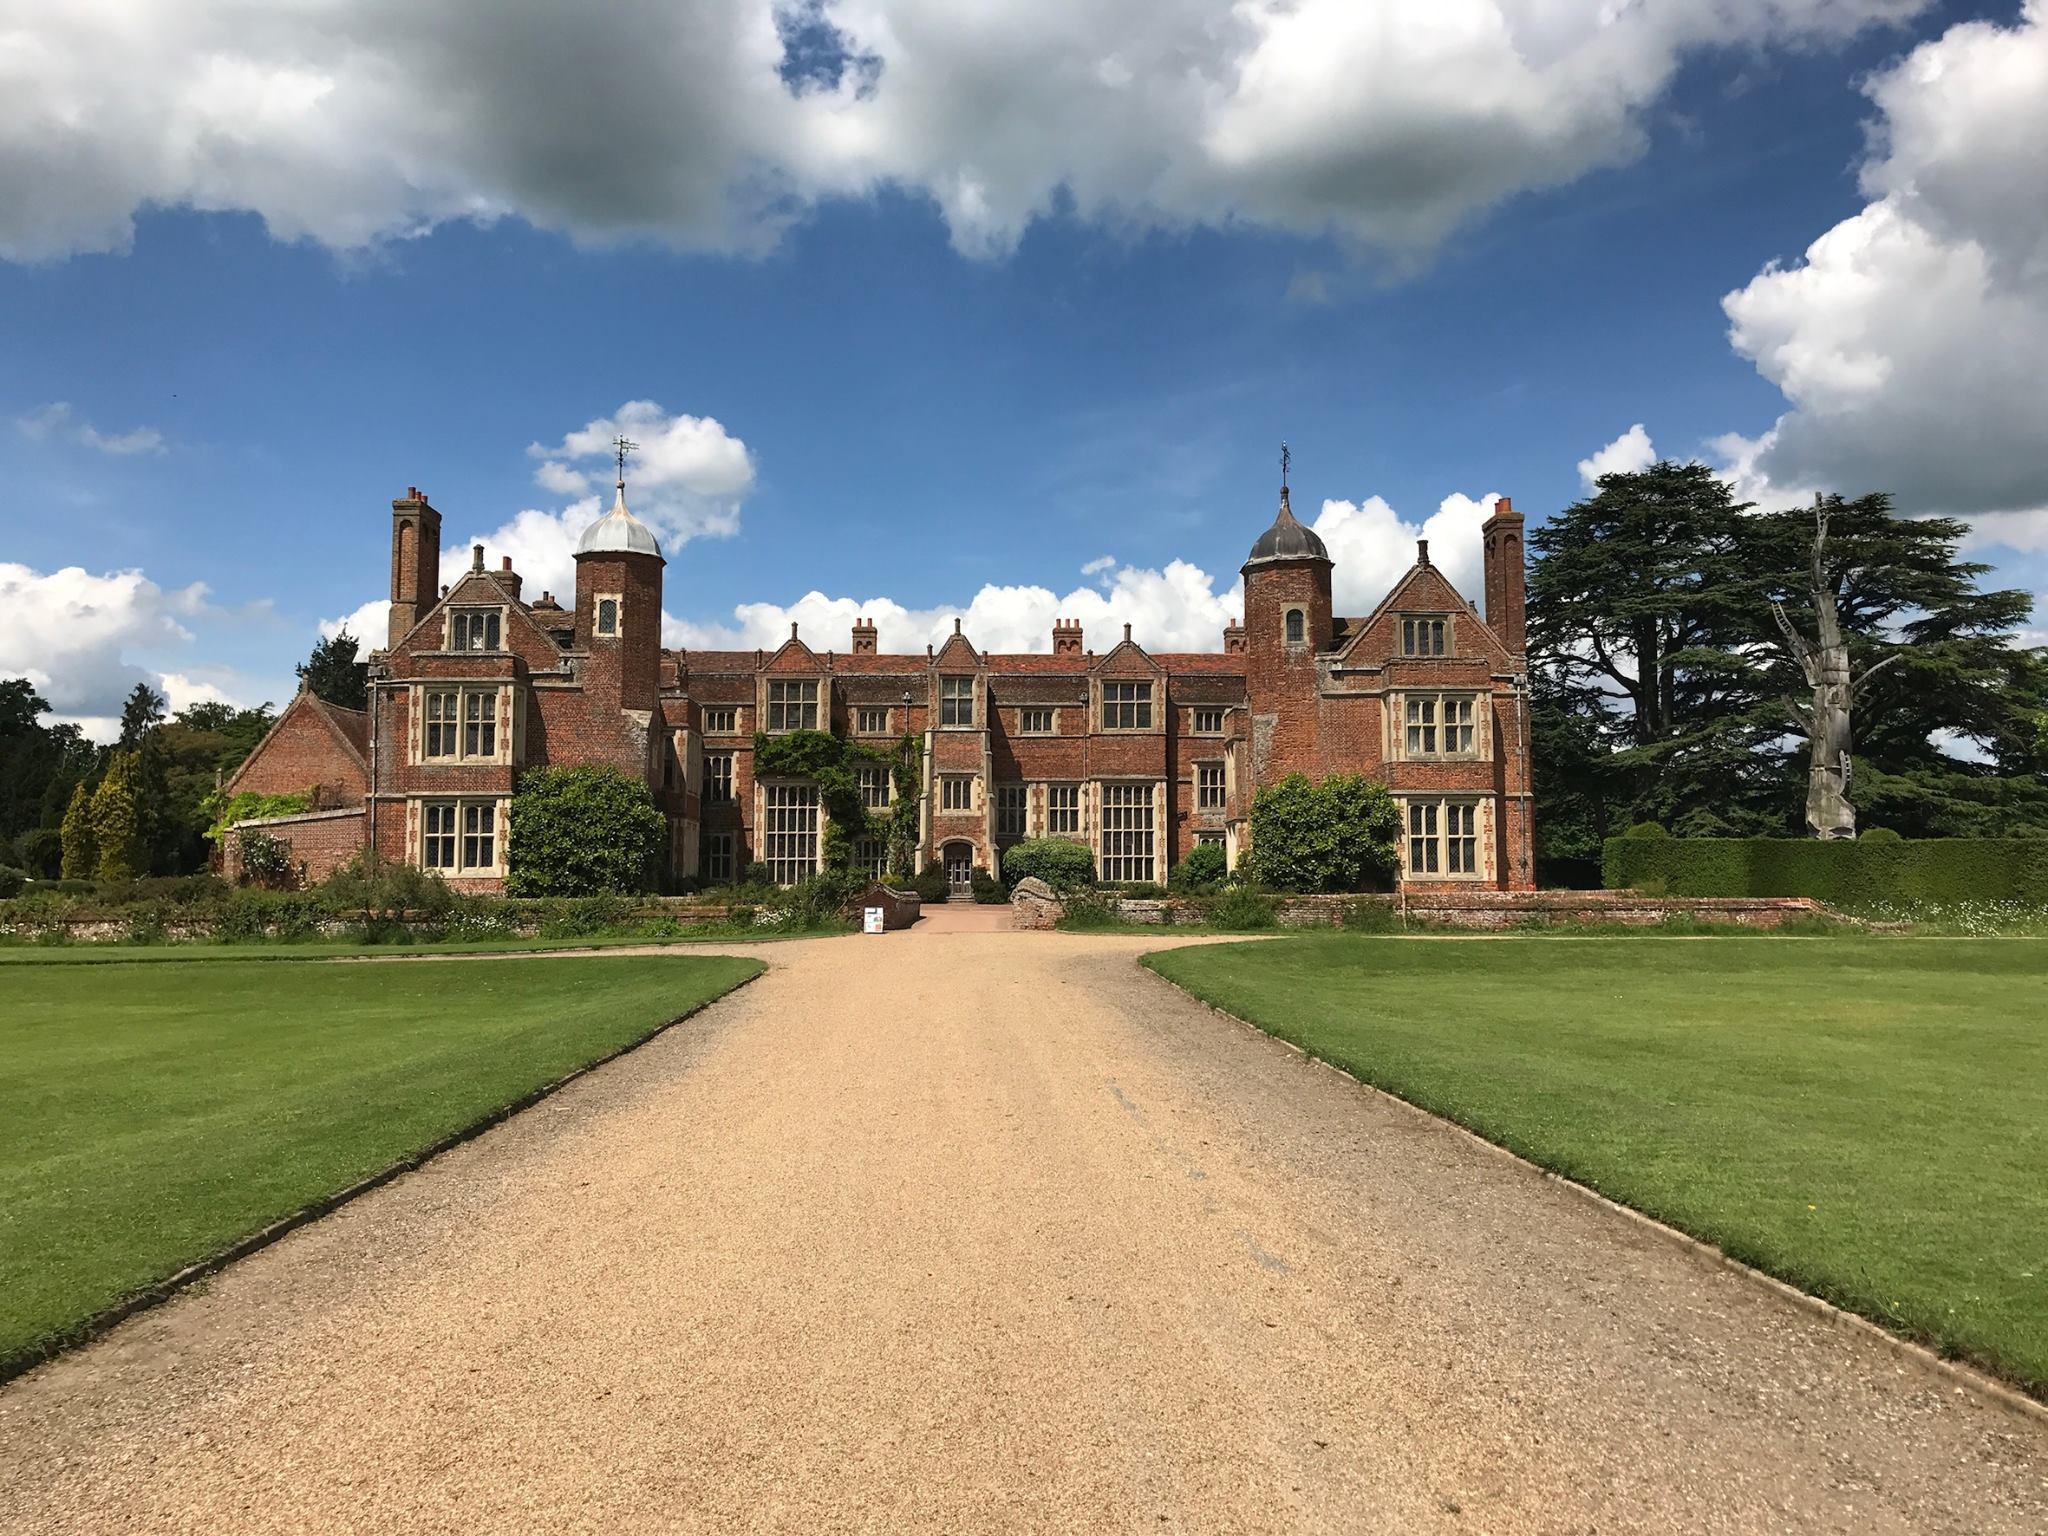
(1849, 875)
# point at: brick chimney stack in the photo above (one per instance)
(865, 637)
(1066, 637)
(509, 578)
(415, 561)
(1233, 639)
(1506, 577)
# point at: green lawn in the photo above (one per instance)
(1866, 1118)
(150, 1114)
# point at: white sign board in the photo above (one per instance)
(871, 920)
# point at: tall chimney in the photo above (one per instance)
(415, 561)
(509, 578)
(865, 637)
(1066, 637)
(1233, 639)
(1506, 579)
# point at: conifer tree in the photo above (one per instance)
(81, 853)
(117, 820)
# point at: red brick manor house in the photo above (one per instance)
(1138, 755)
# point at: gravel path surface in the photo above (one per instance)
(989, 1232)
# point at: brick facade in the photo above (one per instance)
(1139, 755)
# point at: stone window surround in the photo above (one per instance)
(1220, 782)
(457, 616)
(717, 778)
(1049, 711)
(1406, 637)
(863, 720)
(719, 861)
(1480, 807)
(952, 700)
(1120, 804)
(1294, 625)
(796, 710)
(1195, 713)
(721, 719)
(1067, 788)
(1139, 704)
(960, 787)
(500, 721)
(1397, 718)
(461, 808)
(618, 602)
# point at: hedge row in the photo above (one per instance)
(1852, 876)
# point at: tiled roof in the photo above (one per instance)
(1041, 663)
(352, 723)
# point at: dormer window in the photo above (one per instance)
(474, 629)
(607, 616)
(1297, 627)
(792, 706)
(956, 701)
(1422, 637)
(1127, 706)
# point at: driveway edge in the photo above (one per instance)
(104, 1321)
(1966, 1378)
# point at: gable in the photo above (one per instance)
(522, 634)
(1376, 638)
(1127, 658)
(956, 654)
(794, 656)
(306, 748)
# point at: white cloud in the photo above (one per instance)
(1098, 565)
(368, 624)
(1909, 340)
(58, 421)
(349, 122)
(1628, 454)
(74, 635)
(1178, 607)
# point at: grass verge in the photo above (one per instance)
(151, 1115)
(1864, 1118)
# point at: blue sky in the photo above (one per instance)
(917, 399)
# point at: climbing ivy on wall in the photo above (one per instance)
(832, 763)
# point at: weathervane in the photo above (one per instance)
(1284, 461)
(621, 446)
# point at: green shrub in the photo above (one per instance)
(1061, 863)
(1339, 835)
(759, 876)
(1240, 909)
(1089, 912)
(385, 889)
(1372, 917)
(1855, 876)
(1139, 890)
(584, 917)
(932, 884)
(587, 831)
(1204, 868)
(740, 915)
(1880, 835)
(118, 829)
(11, 881)
(1646, 829)
(79, 856)
(988, 890)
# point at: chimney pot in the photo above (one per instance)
(476, 557)
(507, 563)
(1422, 551)
(1127, 632)
(1505, 504)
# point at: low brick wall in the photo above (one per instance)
(1510, 909)
(108, 927)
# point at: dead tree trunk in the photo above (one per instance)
(1826, 715)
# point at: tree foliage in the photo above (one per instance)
(587, 831)
(142, 713)
(1660, 678)
(333, 672)
(1339, 835)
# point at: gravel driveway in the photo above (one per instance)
(989, 1232)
